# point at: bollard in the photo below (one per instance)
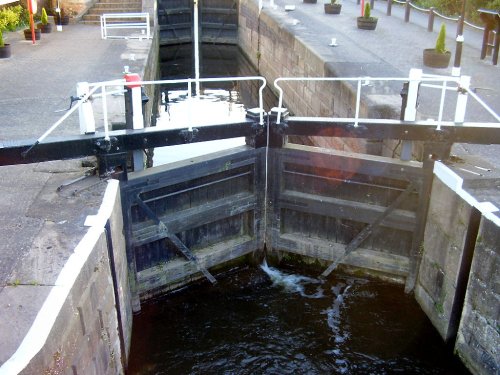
(389, 7)
(407, 10)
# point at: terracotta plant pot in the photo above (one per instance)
(27, 34)
(367, 23)
(435, 59)
(333, 8)
(5, 51)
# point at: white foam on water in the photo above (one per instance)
(333, 314)
(292, 283)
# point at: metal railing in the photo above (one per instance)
(100, 90)
(432, 13)
(138, 21)
(458, 85)
(416, 79)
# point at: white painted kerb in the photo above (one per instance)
(37, 335)
(455, 182)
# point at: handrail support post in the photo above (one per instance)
(410, 109)
(462, 99)
(85, 113)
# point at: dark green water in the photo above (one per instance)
(279, 322)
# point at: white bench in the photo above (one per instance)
(114, 21)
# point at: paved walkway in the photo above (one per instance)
(392, 49)
(40, 225)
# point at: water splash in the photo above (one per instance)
(292, 283)
(340, 292)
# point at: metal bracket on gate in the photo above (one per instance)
(189, 135)
(107, 145)
(366, 231)
(175, 240)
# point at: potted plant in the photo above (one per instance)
(27, 34)
(61, 17)
(4, 47)
(439, 56)
(333, 7)
(367, 22)
(45, 26)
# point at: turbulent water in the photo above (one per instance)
(268, 321)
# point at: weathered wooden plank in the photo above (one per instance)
(174, 11)
(368, 230)
(192, 258)
(177, 269)
(182, 171)
(334, 183)
(352, 163)
(331, 251)
(175, 26)
(224, 11)
(344, 209)
(218, 26)
(194, 217)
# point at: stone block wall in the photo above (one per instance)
(77, 330)
(458, 286)
(478, 341)
(277, 50)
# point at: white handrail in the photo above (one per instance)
(188, 82)
(444, 80)
(218, 79)
(144, 26)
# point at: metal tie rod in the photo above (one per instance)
(175, 240)
(366, 231)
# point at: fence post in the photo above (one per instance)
(407, 11)
(459, 45)
(430, 23)
(389, 7)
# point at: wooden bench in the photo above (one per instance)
(114, 21)
(491, 19)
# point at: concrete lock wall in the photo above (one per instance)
(277, 50)
(78, 328)
(458, 284)
(478, 341)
